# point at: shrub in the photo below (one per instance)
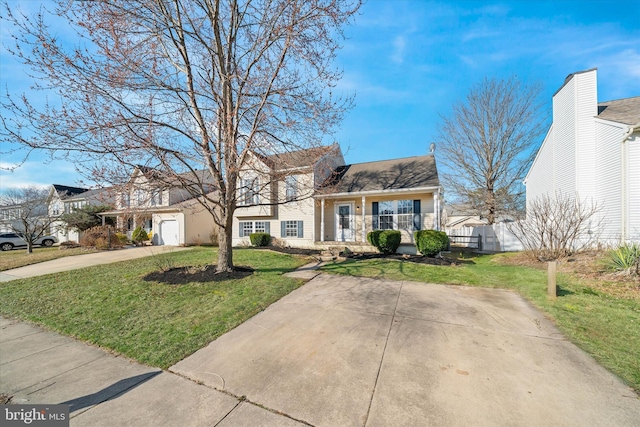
(386, 241)
(139, 235)
(626, 259)
(69, 244)
(431, 242)
(101, 237)
(260, 239)
(373, 237)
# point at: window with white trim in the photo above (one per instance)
(291, 229)
(291, 187)
(247, 228)
(394, 215)
(249, 192)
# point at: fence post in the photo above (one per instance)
(552, 290)
(479, 242)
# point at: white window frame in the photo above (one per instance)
(396, 213)
(291, 188)
(291, 229)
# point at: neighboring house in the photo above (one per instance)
(64, 199)
(592, 150)
(456, 220)
(166, 210)
(341, 203)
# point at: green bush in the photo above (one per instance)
(431, 242)
(386, 241)
(626, 259)
(260, 239)
(139, 235)
(373, 237)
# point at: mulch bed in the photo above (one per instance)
(182, 275)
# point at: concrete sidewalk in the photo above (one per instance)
(43, 367)
(81, 261)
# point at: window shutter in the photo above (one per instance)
(417, 223)
(283, 232)
(267, 227)
(241, 229)
(300, 229)
(374, 215)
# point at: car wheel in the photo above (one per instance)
(6, 246)
(47, 242)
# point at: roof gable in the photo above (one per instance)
(296, 159)
(396, 174)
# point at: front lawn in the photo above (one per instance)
(19, 257)
(155, 323)
(602, 323)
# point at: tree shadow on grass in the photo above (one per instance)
(183, 275)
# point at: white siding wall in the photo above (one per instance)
(608, 184)
(541, 177)
(564, 126)
(586, 108)
(633, 185)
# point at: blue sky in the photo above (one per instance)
(408, 61)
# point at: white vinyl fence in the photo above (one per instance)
(494, 238)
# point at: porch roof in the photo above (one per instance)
(397, 175)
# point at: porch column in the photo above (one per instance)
(322, 219)
(364, 221)
(436, 209)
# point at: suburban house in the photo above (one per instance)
(313, 199)
(165, 209)
(592, 151)
(63, 199)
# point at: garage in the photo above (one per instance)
(168, 234)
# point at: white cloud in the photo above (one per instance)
(399, 45)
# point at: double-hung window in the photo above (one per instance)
(291, 184)
(396, 215)
(249, 227)
(249, 191)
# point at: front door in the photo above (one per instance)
(345, 222)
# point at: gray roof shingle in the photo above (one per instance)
(396, 174)
(625, 111)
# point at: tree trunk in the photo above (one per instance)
(29, 247)
(225, 254)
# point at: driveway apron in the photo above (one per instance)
(345, 351)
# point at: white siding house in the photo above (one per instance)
(592, 151)
(312, 199)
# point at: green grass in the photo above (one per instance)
(605, 326)
(19, 257)
(154, 323)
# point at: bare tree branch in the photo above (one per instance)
(181, 86)
(487, 145)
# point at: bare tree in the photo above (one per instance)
(486, 146)
(190, 88)
(25, 213)
(557, 226)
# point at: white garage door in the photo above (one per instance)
(169, 233)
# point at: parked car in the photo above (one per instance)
(9, 241)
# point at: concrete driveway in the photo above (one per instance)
(344, 351)
(81, 261)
